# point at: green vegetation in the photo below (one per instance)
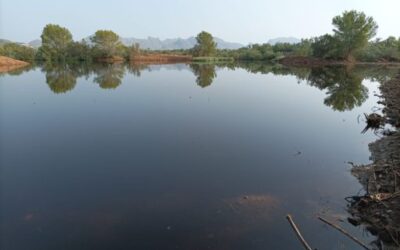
(352, 31)
(205, 45)
(18, 51)
(350, 41)
(55, 43)
(268, 52)
(107, 44)
(381, 51)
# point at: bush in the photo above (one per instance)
(18, 51)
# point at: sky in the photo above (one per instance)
(244, 21)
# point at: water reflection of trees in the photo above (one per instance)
(60, 78)
(137, 68)
(205, 74)
(343, 86)
(109, 76)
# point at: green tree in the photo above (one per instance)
(55, 42)
(206, 46)
(326, 46)
(353, 30)
(79, 51)
(106, 43)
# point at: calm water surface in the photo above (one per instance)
(180, 156)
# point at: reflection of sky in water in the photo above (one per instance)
(157, 162)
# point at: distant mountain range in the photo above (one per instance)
(291, 40)
(153, 43)
(35, 43)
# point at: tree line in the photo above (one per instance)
(350, 41)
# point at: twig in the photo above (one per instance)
(344, 232)
(298, 234)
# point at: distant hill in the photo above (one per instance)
(4, 41)
(35, 43)
(153, 43)
(291, 40)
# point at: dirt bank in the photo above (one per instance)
(379, 209)
(10, 64)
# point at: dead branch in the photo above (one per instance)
(344, 232)
(298, 234)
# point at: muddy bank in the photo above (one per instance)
(378, 210)
(9, 64)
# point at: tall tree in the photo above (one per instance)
(206, 46)
(106, 43)
(353, 30)
(55, 42)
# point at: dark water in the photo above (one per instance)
(180, 156)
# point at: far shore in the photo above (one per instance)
(8, 64)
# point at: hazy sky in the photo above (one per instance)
(241, 21)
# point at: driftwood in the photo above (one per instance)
(344, 232)
(298, 234)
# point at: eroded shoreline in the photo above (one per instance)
(379, 209)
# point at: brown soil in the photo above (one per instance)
(161, 58)
(9, 64)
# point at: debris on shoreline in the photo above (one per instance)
(378, 210)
